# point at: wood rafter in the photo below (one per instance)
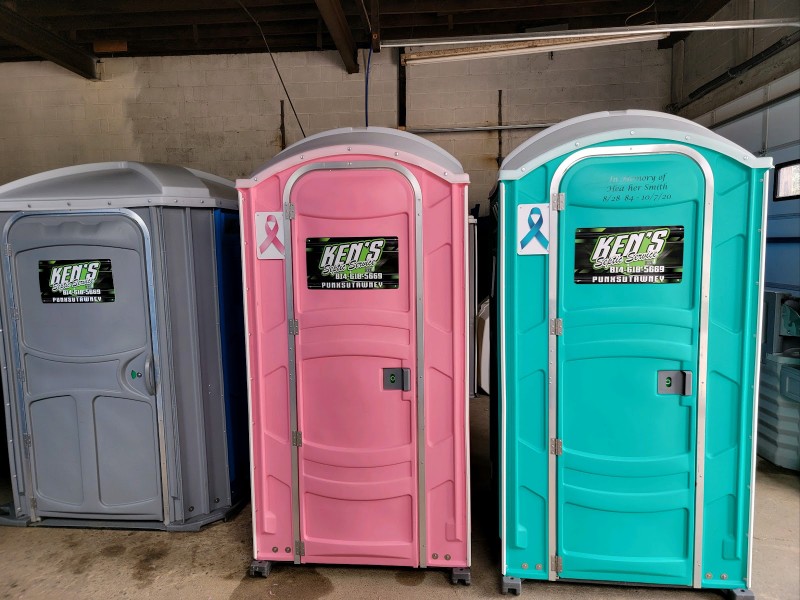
(336, 22)
(151, 27)
(45, 44)
(695, 12)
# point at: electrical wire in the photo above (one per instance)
(366, 88)
(652, 5)
(366, 16)
(368, 65)
(277, 70)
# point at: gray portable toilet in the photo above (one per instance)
(122, 354)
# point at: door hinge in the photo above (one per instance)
(556, 446)
(288, 211)
(21, 375)
(294, 327)
(26, 439)
(297, 438)
(299, 548)
(556, 564)
(556, 326)
(8, 249)
(15, 313)
(34, 503)
(557, 201)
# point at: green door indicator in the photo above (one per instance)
(135, 374)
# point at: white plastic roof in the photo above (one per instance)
(409, 146)
(118, 185)
(594, 128)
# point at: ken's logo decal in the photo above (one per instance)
(533, 228)
(269, 235)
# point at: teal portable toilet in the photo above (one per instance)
(630, 260)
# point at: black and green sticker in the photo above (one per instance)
(647, 254)
(352, 263)
(76, 281)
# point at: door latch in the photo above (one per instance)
(678, 383)
(397, 379)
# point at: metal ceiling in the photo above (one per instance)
(74, 33)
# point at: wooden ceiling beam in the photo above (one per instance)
(166, 19)
(16, 53)
(375, 20)
(60, 8)
(56, 8)
(702, 11)
(336, 22)
(251, 44)
(500, 11)
(695, 13)
(196, 25)
(186, 32)
(290, 17)
(620, 11)
(389, 7)
(44, 43)
(363, 15)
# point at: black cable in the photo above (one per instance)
(277, 70)
(366, 88)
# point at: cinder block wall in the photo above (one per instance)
(220, 113)
(537, 89)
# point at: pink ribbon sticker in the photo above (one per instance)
(272, 229)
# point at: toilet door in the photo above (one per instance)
(84, 369)
(630, 260)
(353, 252)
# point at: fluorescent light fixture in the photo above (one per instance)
(518, 48)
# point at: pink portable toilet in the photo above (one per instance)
(355, 275)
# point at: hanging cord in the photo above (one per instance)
(366, 88)
(277, 70)
(652, 5)
(369, 64)
(366, 17)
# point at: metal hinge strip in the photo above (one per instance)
(556, 326)
(556, 564)
(299, 548)
(297, 438)
(294, 327)
(556, 446)
(557, 201)
(288, 211)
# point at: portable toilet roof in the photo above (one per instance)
(595, 128)
(118, 184)
(392, 143)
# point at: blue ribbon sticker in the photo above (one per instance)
(535, 229)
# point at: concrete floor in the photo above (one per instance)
(66, 564)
